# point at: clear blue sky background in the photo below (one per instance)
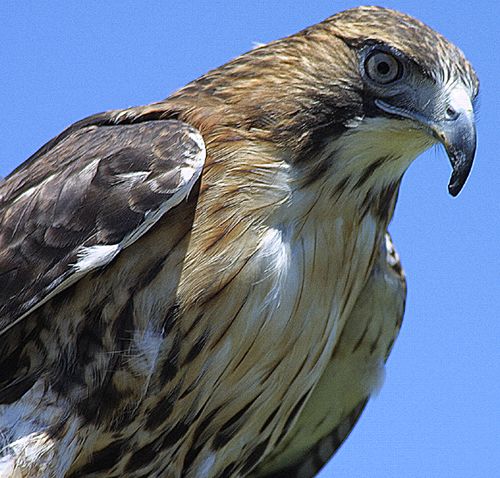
(438, 412)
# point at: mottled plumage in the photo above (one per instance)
(205, 286)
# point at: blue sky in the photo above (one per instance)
(437, 413)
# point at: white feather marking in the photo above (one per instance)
(198, 139)
(276, 251)
(26, 447)
(354, 122)
(134, 177)
(275, 247)
(7, 468)
(31, 453)
(33, 189)
(187, 174)
(392, 256)
(90, 258)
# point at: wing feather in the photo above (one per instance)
(83, 198)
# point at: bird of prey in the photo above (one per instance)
(205, 286)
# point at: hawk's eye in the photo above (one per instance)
(383, 68)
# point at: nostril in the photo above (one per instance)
(451, 113)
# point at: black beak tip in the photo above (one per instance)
(461, 170)
(454, 187)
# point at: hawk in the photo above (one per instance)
(205, 286)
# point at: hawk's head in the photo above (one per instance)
(412, 74)
(363, 92)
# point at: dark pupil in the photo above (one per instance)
(383, 68)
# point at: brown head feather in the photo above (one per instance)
(294, 90)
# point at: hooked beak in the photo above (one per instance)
(453, 126)
(458, 136)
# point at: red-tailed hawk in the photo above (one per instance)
(205, 286)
